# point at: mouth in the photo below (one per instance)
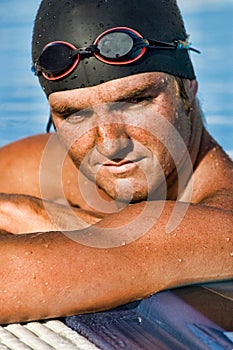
(122, 166)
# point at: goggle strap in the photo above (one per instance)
(49, 124)
(36, 68)
(177, 45)
(185, 45)
(161, 44)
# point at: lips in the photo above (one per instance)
(118, 167)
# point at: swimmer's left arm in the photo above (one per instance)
(21, 214)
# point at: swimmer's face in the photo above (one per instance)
(125, 135)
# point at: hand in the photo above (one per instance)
(27, 214)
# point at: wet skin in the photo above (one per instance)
(116, 147)
(122, 138)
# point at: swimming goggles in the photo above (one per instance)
(115, 46)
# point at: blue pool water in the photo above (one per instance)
(23, 106)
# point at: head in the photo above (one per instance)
(118, 138)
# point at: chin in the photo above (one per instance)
(125, 191)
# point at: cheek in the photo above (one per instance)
(78, 146)
(173, 109)
(165, 131)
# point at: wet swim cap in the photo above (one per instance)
(80, 22)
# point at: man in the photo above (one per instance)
(148, 204)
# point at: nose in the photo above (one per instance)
(113, 141)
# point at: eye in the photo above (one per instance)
(78, 116)
(140, 99)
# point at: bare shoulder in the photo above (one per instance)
(20, 168)
(20, 160)
(213, 176)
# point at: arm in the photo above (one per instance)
(48, 275)
(27, 214)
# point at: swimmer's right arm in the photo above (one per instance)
(50, 274)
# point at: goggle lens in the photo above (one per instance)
(115, 45)
(119, 46)
(56, 60)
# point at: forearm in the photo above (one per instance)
(26, 214)
(49, 274)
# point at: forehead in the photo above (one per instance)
(114, 89)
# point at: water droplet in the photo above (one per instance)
(123, 243)
(180, 260)
(74, 77)
(28, 252)
(231, 254)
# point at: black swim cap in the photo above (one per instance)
(80, 22)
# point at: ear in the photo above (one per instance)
(191, 87)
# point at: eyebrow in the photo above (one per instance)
(156, 86)
(131, 94)
(64, 109)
